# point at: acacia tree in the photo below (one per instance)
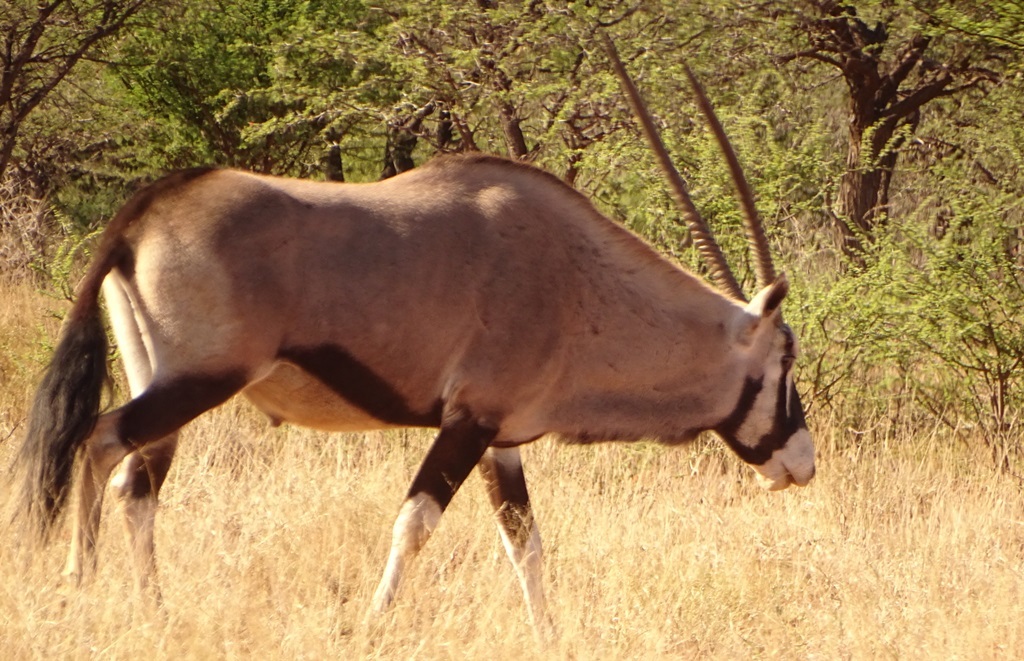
(40, 44)
(892, 69)
(269, 86)
(514, 77)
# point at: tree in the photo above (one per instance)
(513, 77)
(41, 44)
(269, 86)
(892, 71)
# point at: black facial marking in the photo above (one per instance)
(727, 428)
(164, 408)
(356, 383)
(795, 419)
(457, 449)
(790, 342)
(785, 422)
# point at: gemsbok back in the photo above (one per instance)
(477, 295)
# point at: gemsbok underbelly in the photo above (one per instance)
(477, 295)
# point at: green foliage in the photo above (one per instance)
(44, 44)
(57, 270)
(262, 85)
(926, 331)
(998, 22)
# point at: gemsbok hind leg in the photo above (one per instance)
(137, 484)
(99, 458)
(456, 450)
(139, 372)
(502, 470)
(155, 415)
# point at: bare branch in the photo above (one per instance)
(813, 54)
(31, 71)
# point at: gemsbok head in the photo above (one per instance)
(476, 295)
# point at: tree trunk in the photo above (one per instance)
(514, 139)
(863, 203)
(888, 84)
(334, 168)
(402, 136)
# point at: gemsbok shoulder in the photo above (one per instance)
(476, 295)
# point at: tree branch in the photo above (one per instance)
(812, 54)
(59, 59)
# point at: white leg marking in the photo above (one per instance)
(128, 328)
(416, 520)
(526, 557)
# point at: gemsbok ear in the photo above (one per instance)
(768, 300)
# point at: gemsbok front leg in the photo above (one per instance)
(456, 450)
(502, 470)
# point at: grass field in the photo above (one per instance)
(271, 541)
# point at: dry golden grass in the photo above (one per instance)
(271, 541)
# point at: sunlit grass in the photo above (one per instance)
(271, 541)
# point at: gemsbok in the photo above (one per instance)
(474, 294)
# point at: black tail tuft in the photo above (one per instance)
(64, 413)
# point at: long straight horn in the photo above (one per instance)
(765, 269)
(702, 236)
